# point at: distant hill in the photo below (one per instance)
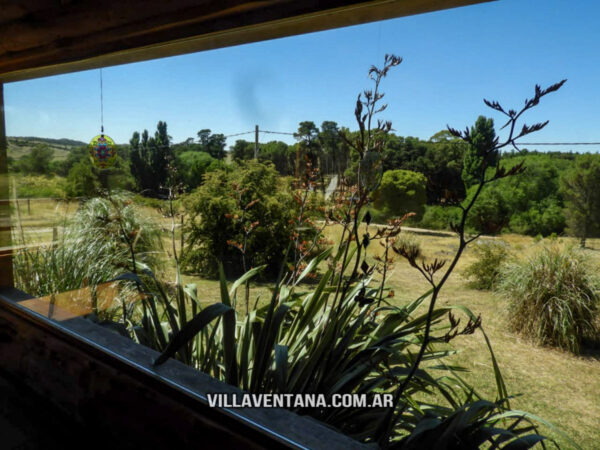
(61, 142)
(20, 146)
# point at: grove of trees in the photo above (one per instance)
(556, 194)
(579, 187)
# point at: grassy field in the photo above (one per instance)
(559, 387)
(555, 385)
(21, 146)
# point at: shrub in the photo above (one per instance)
(401, 192)
(81, 181)
(544, 218)
(40, 186)
(528, 203)
(242, 217)
(579, 187)
(484, 272)
(37, 161)
(193, 165)
(553, 297)
(439, 217)
(491, 213)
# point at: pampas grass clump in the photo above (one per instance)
(553, 297)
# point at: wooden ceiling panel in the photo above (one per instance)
(45, 37)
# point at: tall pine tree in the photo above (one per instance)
(150, 157)
(479, 156)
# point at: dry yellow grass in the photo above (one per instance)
(557, 386)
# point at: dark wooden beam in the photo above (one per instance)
(41, 37)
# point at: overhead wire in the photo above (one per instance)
(519, 143)
(101, 104)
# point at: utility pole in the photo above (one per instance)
(256, 142)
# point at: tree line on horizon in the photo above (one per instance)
(556, 193)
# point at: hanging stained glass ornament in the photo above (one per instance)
(102, 148)
(102, 151)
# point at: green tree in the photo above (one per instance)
(37, 161)
(189, 145)
(81, 180)
(213, 144)
(192, 166)
(62, 167)
(279, 154)
(332, 157)
(401, 192)
(308, 145)
(242, 150)
(478, 157)
(579, 187)
(440, 159)
(528, 203)
(403, 153)
(491, 213)
(150, 157)
(442, 164)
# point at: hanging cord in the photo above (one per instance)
(379, 40)
(101, 105)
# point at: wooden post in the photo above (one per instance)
(6, 269)
(256, 142)
(29, 206)
(181, 248)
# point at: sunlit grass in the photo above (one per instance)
(560, 387)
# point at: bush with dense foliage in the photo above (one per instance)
(85, 180)
(241, 217)
(491, 213)
(193, 165)
(485, 270)
(437, 217)
(40, 186)
(528, 203)
(554, 297)
(82, 181)
(440, 159)
(37, 161)
(401, 192)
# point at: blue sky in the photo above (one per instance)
(452, 60)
